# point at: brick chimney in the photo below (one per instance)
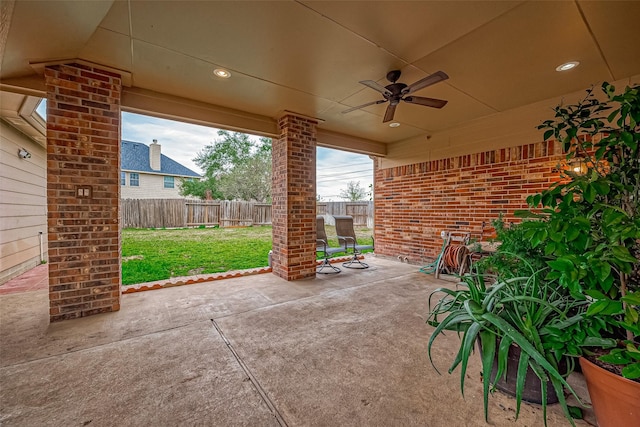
(154, 155)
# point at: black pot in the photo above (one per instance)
(532, 390)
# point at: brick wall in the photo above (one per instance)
(83, 190)
(294, 198)
(413, 203)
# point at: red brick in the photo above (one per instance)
(294, 195)
(413, 203)
(82, 148)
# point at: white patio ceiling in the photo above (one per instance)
(308, 56)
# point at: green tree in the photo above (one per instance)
(199, 188)
(249, 180)
(235, 167)
(354, 192)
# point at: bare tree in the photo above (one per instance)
(354, 192)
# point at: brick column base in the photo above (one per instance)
(294, 199)
(83, 190)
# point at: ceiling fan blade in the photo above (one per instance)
(375, 86)
(427, 81)
(429, 102)
(388, 115)
(348, 110)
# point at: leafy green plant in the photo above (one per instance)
(524, 311)
(514, 246)
(588, 225)
(629, 357)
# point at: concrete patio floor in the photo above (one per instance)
(338, 350)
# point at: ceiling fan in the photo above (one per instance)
(396, 92)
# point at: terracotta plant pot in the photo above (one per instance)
(615, 399)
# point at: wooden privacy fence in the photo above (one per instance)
(152, 213)
(177, 213)
(202, 213)
(362, 212)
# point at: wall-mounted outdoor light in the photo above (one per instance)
(578, 165)
(24, 154)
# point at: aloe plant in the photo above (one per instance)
(523, 311)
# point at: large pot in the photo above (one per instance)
(532, 388)
(615, 399)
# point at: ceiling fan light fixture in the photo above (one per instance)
(222, 73)
(567, 66)
(394, 124)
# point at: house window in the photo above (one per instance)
(134, 179)
(168, 182)
(123, 178)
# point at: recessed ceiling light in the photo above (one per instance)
(394, 124)
(567, 66)
(221, 72)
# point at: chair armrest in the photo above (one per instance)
(323, 243)
(348, 240)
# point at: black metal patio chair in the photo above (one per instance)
(347, 238)
(323, 248)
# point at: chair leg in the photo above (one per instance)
(327, 264)
(355, 260)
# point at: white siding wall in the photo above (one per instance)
(23, 203)
(151, 187)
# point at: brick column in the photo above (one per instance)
(83, 190)
(294, 198)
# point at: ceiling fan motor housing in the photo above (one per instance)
(395, 89)
(393, 75)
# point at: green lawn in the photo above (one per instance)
(149, 255)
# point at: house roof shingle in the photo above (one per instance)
(135, 157)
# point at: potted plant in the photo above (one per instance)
(588, 227)
(582, 298)
(517, 320)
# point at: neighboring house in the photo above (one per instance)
(146, 173)
(23, 186)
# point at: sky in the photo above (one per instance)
(182, 141)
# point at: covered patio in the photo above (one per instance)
(347, 349)
(287, 348)
(305, 74)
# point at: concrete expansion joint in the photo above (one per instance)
(72, 350)
(372, 282)
(252, 378)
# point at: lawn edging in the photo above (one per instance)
(202, 278)
(190, 280)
